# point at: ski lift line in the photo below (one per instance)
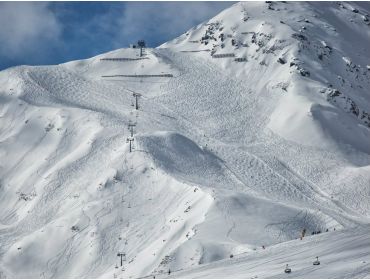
(249, 267)
(300, 252)
(273, 260)
(291, 256)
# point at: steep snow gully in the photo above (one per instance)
(249, 130)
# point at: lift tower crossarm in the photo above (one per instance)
(122, 255)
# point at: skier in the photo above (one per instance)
(303, 233)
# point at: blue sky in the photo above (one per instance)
(37, 33)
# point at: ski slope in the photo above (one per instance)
(228, 156)
(342, 255)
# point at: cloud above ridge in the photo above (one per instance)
(165, 20)
(37, 33)
(27, 28)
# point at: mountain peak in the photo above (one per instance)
(243, 141)
(292, 44)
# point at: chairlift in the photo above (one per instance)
(287, 269)
(317, 262)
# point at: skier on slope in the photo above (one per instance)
(303, 233)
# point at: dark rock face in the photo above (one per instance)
(347, 104)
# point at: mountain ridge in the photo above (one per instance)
(228, 155)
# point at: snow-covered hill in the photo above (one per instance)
(250, 128)
(342, 255)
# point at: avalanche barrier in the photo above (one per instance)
(123, 59)
(140, 76)
(222, 55)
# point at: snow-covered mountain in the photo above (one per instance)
(250, 128)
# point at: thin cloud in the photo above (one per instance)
(55, 32)
(26, 28)
(164, 20)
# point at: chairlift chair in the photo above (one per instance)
(287, 269)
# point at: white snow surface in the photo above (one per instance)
(228, 156)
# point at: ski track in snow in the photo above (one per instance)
(228, 156)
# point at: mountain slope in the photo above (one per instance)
(228, 156)
(342, 255)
